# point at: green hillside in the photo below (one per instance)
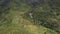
(20, 17)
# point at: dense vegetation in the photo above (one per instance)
(29, 17)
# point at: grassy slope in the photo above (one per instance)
(19, 25)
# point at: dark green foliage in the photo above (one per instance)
(4, 10)
(46, 15)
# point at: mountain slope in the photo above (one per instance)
(18, 21)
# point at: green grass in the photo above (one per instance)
(19, 25)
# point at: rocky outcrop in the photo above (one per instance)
(34, 2)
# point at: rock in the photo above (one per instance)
(34, 3)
